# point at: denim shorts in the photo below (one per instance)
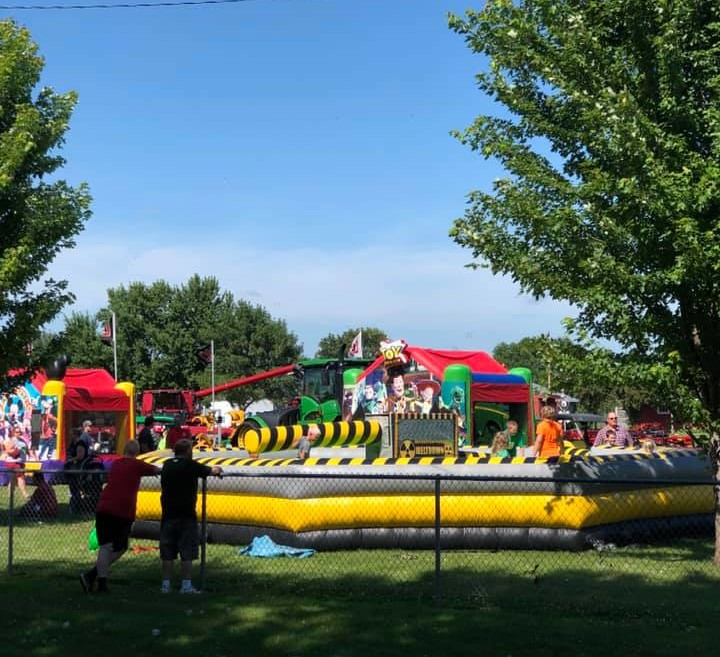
(179, 536)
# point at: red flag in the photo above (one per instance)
(205, 354)
(356, 347)
(107, 333)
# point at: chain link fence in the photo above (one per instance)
(422, 536)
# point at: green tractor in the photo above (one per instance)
(326, 388)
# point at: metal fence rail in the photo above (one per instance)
(431, 535)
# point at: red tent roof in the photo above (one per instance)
(436, 360)
(91, 389)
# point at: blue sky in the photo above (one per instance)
(297, 150)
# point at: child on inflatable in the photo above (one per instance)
(500, 445)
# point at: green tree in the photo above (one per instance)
(541, 355)
(611, 141)
(253, 342)
(604, 379)
(531, 352)
(38, 218)
(160, 328)
(612, 145)
(558, 364)
(142, 317)
(329, 346)
(81, 342)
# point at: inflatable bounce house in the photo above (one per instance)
(51, 409)
(410, 455)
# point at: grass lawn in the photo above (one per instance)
(638, 600)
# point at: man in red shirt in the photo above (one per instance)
(115, 514)
(176, 432)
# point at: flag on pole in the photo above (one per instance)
(356, 349)
(107, 333)
(205, 354)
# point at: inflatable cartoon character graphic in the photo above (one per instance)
(457, 406)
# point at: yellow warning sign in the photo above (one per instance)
(412, 448)
(407, 449)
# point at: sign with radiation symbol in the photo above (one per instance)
(407, 449)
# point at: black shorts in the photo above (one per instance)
(179, 536)
(111, 529)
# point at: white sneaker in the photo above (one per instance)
(191, 590)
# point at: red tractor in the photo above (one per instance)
(164, 405)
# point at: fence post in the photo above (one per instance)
(203, 533)
(437, 538)
(11, 528)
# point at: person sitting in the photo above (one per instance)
(305, 442)
(649, 446)
(43, 502)
(13, 458)
(517, 440)
(500, 445)
(610, 438)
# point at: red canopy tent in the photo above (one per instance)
(88, 390)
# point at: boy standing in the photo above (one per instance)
(115, 514)
(179, 527)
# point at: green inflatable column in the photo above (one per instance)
(455, 395)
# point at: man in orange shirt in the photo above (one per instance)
(548, 434)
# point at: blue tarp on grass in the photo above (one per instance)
(264, 546)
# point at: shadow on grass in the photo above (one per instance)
(285, 608)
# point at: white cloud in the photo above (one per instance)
(425, 296)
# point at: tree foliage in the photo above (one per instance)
(599, 377)
(612, 146)
(80, 341)
(38, 218)
(329, 346)
(255, 342)
(541, 354)
(160, 327)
